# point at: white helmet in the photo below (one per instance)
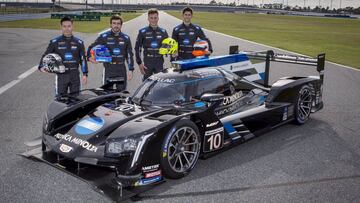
(53, 63)
(201, 47)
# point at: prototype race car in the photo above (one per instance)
(194, 109)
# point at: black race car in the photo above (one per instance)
(192, 110)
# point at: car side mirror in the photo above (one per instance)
(210, 97)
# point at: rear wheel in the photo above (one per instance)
(180, 150)
(303, 105)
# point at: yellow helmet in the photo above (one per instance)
(168, 46)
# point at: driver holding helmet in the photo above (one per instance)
(69, 51)
(186, 35)
(120, 48)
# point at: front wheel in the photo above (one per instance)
(180, 149)
(303, 105)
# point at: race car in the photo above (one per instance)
(194, 109)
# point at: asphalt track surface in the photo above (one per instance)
(319, 161)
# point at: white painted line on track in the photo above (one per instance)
(19, 78)
(28, 72)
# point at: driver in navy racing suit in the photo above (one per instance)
(72, 52)
(120, 48)
(186, 35)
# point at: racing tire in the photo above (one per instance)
(180, 150)
(303, 105)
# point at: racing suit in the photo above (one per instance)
(150, 40)
(186, 36)
(120, 48)
(72, 52)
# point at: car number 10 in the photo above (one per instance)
(214, 141)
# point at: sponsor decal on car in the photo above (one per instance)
(230, 99)
(65, 148)
(212, 124)
(150, 168)
(153, 174)
(236, 106)
(168, 137)
(212, 132)
(166, 80)
(83, 143)
(147, 181)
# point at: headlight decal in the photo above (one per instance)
(122, 146)
(139, 148)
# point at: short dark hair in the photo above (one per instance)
(153, 11)
(187, 9)
(65, 18)
(116, 17)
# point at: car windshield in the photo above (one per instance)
(160, 93)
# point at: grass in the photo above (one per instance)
(13, 10)
(338, 38)
(54, 24)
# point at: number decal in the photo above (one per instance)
(213, 139)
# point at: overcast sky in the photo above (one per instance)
(311, 3)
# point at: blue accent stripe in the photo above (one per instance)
(262, 99)
(199, 104)
(262, 75)
(211, 61)
(83, 66)
(229, 128)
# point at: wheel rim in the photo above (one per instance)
(184, 149)
(304, 104)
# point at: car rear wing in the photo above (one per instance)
(269, 55)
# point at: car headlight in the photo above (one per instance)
(46, 123)
(117, 147)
